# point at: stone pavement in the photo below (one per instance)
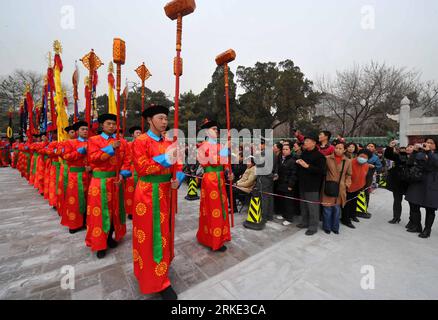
(325, 267)
(277, 263)
(34, 247)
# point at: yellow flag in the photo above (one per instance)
(112, 107)
(62, 119)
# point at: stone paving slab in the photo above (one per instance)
(326, 267)
(34, 247)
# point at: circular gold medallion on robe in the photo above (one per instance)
(216, 213)
(71, 216)
(214, 195)
(96, 211)
(205, 230)
(161, 269)
(152, 169)
(130, 189)
(129, 202)
(70, 185)
(71, 200)
(144, 186)
(94, 191)
(141, 236)
(217, 232)
(97, 232)
(135, 255)
(140, 209)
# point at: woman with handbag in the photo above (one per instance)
(423, 190)
(334, 191)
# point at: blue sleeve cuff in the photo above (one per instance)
(163, 159)
(109, 150)
(180, 176)
(82, 150)
(126, 173)
(224, 152)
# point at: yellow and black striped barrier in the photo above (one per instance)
(362, 207)
(382, 182)
(361, 202)
(254, 220)
(192, 193)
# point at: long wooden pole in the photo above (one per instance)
(227, 102)
(125, 102)
(142, 104)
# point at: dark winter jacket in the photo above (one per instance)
(310, 179)
(425, 193)
(287, 174)
(395, 181)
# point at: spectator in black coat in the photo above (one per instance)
(285, 184)
(311, 172)
(395, 181)
(424, 193)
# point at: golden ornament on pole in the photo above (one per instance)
(144, 74)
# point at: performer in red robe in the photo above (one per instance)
(214, 225)
(41, 164)
(63, 172)
(5, 152)
(75, 154)
(34, 157)
(54, 170)
(14, 155)
(152, 236)
(105, 210)
(131, 182)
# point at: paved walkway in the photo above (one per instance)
(34, 247)
(325, 267)
(277, 263)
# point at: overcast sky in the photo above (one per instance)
(320, 36)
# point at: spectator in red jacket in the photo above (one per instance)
(324, 143)
(297, 133)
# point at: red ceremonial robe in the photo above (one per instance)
(14, 156)
(152, 239)
(63, 179)
(105, 197)
(77, 187)
(214, 225)
(54, 175)
(33, 158)
(130, 185)
(4, 146)
(40, 167)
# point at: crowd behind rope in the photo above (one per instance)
(94, 183)
(332, 173)
(320, 178)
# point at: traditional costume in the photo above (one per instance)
(152, 233)
(214, 226)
